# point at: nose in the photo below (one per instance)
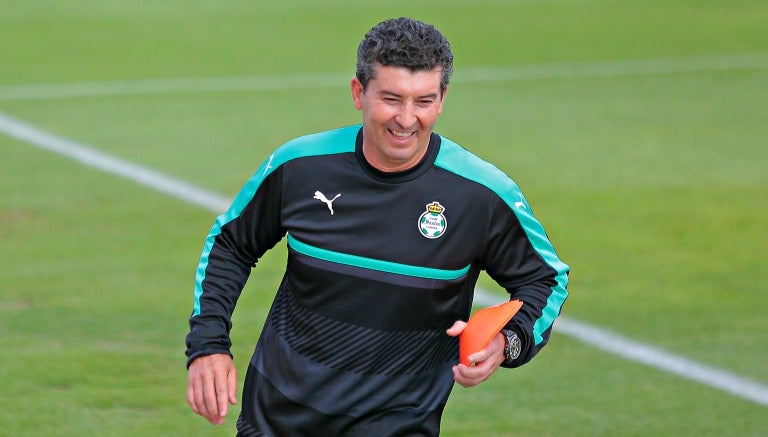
(406, 116)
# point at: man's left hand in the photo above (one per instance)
(486, 361)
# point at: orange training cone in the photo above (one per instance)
(483, 326)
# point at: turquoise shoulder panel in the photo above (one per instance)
(324, 143)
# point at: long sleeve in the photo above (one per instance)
(238, 238)
(521, 259)
(516, 251)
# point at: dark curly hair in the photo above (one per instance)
(404, 42)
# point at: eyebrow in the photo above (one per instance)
(385, 93)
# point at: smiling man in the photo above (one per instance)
(388, 226)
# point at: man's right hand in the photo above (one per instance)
(212, 384)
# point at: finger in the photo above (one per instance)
(210, 405)
(469, 376)
(191, 397)
(472, 372)
(493, 354)
(221, 388)
(198, 396)
(232, 385)
(461, 378)
(478, 358)
(456, 329)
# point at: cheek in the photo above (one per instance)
(428, 118)
(379, 113)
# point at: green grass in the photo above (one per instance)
(651, 186)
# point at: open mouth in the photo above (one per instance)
(400, 134)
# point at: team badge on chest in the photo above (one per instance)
(432, 222)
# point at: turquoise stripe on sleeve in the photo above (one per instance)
(456, 159)
(375, 264)
(324, 143)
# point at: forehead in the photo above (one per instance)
(400, 80)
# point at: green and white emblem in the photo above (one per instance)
(432, 223)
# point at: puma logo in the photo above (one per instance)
(519, 204)
(269, 164)
(321, 197)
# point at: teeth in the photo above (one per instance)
(401, 134)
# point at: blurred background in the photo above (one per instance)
(636, 129)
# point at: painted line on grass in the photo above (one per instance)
(591, 335)
(91, 157)
(754, 61)
(642, 353)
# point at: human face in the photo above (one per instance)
(400, 108)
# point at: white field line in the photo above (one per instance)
(481, 74)
(597, 337)
(642, 353)
(93, 158)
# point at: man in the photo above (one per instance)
(388, 226)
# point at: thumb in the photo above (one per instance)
(456, 329)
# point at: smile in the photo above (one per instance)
(401, 134)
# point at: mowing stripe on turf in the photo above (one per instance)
(479, 74)
(597, 337)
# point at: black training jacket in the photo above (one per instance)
(379, 266)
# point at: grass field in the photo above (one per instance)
(637, 130)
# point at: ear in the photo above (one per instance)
(442, 101)
(357, 92)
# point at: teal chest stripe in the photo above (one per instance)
(374, 264)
